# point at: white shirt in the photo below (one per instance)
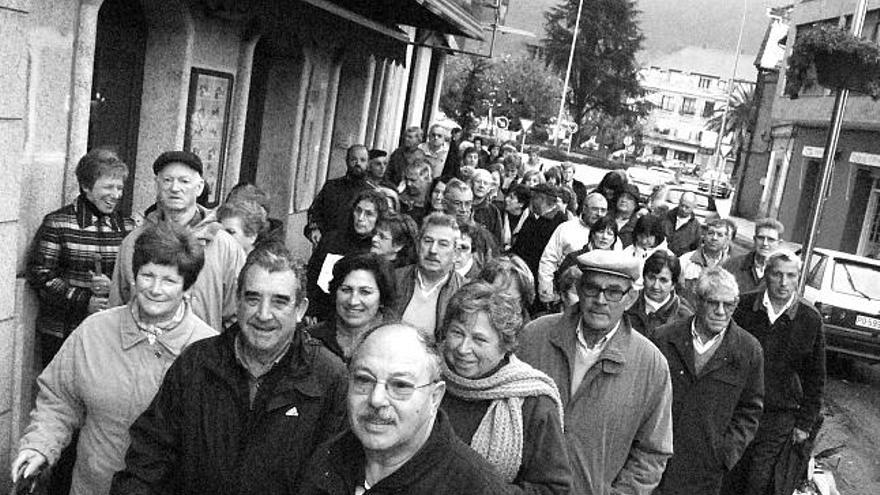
(701, 347)
(772, 314)
(652, 307)
(421, 311)
(465, 268)
(592, 353)
(680, 222)
(568, 237)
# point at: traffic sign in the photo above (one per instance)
(501, 122)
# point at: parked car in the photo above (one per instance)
(646, 179)
(705, 204)
(715, 185)
(845, 289)
(680, 165)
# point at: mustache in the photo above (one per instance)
(374, 416)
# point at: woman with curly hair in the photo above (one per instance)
(507, 411)
(395, 240)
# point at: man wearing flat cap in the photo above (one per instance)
(614, 383)
(178, 183)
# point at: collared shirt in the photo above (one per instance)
(462, 270)
(71, 244)
(256, 370)
(587, 356)
(653, 307)
(701, 347)
(680, 222)
(421, 310)
(437, 158)
(103, 378)
(772, 314)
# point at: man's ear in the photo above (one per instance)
(301, 308)
(437, 394)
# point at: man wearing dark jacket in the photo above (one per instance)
(791, 334)
(399, 442)
(749, 268)
(537, 229)
(682, 227)
(333, 204)
(714, 362)
(241, 413)
(484, 212)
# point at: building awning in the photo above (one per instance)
(442, 16)
(390, 31)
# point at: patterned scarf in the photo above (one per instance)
(155, 330)
(499, 437)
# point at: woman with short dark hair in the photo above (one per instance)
(507, 411)
(395, 240)
(363, 293)
(658, 304)
(649, 236)
(111, 366)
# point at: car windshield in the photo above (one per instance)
(856, 279)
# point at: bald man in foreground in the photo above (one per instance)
(399, 441)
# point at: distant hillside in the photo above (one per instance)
(669, 25)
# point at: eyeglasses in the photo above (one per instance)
(457, 204)
(397, 389)
(613, 293)
(727, 306)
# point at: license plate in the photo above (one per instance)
(868, 322)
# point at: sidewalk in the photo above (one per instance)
(745, 232)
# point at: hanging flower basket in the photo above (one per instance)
(835, 59)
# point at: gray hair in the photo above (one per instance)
(438, 219)
(425, 338)
(714, 280)
(274, 257)
(783, 255)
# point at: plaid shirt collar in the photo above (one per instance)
(87, 215)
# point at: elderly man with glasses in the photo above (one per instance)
(399, 440)
(712, 361)
(614, 383)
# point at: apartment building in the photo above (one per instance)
(851, 215)
(687, 88)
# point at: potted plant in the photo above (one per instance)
(834, 58)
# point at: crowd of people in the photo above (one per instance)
(467, 322)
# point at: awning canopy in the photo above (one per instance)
(442, 16)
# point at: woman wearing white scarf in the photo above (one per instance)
(507, 411)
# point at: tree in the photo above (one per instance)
(464, 94)
(740, 114)
(604, 73)
(516, 87)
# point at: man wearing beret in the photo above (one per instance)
(614, 383)
(178, 183)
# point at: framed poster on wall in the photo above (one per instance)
(207, 125)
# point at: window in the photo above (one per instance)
(705, 82)
(667, 103)
(688, 106)
(708, 109)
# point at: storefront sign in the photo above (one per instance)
(813, 152)
(868, 159)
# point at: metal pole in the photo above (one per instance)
(716, 156)
(830, 150)
(574, 37)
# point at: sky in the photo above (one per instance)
(668, 25)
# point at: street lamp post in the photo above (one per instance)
(716, 156)
(830, 150)
(574, 37)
